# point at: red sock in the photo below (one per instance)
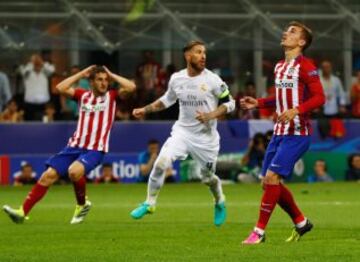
(80, 190)
(268, 203)
(34, 196)
(287, 203)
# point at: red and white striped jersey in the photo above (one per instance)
(297, 85)
(96, 117)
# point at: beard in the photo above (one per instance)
(196, 66)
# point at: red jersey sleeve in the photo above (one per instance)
(78, 93)
(313, 88)
(268, 102)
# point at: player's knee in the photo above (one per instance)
(76, 171)
(207, 176)
(161, 164)
(49, 177)
(74, 175)
(271, 179)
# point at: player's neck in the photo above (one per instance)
(292, 53)
(96, 93)
(192, 71)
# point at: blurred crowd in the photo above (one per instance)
(29, 93)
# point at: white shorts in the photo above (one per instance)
(202, 149)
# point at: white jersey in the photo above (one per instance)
(200, 93)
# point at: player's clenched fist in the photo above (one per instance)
(248, 102)
(139, 112)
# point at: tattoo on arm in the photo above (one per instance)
(154, 107)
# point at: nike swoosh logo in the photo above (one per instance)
(275, 165)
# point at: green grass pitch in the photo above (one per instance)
(182, 227)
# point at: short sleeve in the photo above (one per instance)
(79, 93)
(169, 98)
(220, 88)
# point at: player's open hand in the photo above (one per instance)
(139, 113)
(248, 102)
(110, 74)
(288, 115)
(87, 71)
(203, 117)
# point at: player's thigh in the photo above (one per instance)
(62, 160)
(289, 151)
(85, 163)
(206, 156)
(174, 148)
(269, 155)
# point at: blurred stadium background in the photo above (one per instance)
(142, 40)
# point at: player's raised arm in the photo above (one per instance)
(126, 86)
(65, 87)
(168, 99)
(150, 108)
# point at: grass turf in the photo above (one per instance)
(182, 227)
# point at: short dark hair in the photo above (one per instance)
(25, 166)
(306, 33)
(153, 141)
(107, 165)
(98, 69)
(191, 44)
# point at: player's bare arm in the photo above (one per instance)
(226, 105)
(65, 87)
(153, 107)
(127, 86)
(288, 115)
(206, 117)
(248, 102)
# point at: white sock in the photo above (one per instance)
(259, 231)
(302, 223)
(156, 181)
(216, 189)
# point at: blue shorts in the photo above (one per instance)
(62, 160)
(283, 152)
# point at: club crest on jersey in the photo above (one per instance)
(291, 70)
(203, 87)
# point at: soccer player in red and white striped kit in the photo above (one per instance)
(298, 92)
(87, 147)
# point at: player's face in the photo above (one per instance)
(27, 172)
(319, 167)
(197, 57)
(153, 148)
(326, 68)
(100, 83)
(292, 37)
(356, 162)
(107, 171)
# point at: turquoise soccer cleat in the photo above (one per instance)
(142, 210)
(219, 214)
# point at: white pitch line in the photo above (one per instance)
(196, 205)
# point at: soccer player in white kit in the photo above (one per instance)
(203, 97)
